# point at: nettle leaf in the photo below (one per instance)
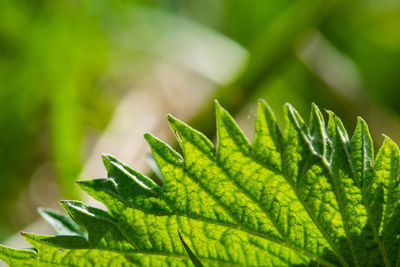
(311, 196)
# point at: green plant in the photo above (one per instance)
(310, 197)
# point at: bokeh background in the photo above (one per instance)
(78, 78)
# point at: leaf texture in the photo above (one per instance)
(310, 196)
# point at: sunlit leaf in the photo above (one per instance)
(309, 196)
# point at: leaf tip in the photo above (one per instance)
(64, 203)
(287, 106)
(389, 141)
(314, 106)
(82, 183)
(264, 106)
(219, 110)
(171, 119)
(40, 210)
(360, 120)
(148, 136)
(105, 155)
(150, 139)
(261, 101)
(330, 113)
(290, 110)
(361, 124)
(43, 212)
(173, 123)
(106, 160)
(361, 127)
(316, 112)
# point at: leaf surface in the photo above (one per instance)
(306, 197)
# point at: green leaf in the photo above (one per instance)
(61, 223)
(311, 196)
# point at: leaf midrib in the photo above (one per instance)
(322, 231)
(312, 153)
(238, 186)
(370, 221)
(287, 243)
(327, 166)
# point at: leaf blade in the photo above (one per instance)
(308, 196)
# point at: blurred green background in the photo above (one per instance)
(66, 65)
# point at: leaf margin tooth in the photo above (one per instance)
(317, 131)
(184, 133)
(127, 174)
(61, 223)
(266, 130)
(225, 121)
(365, 145)
(158, 146)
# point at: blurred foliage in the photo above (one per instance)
(371, 39)
(54, 53)
(365, 33)
(51, 57)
